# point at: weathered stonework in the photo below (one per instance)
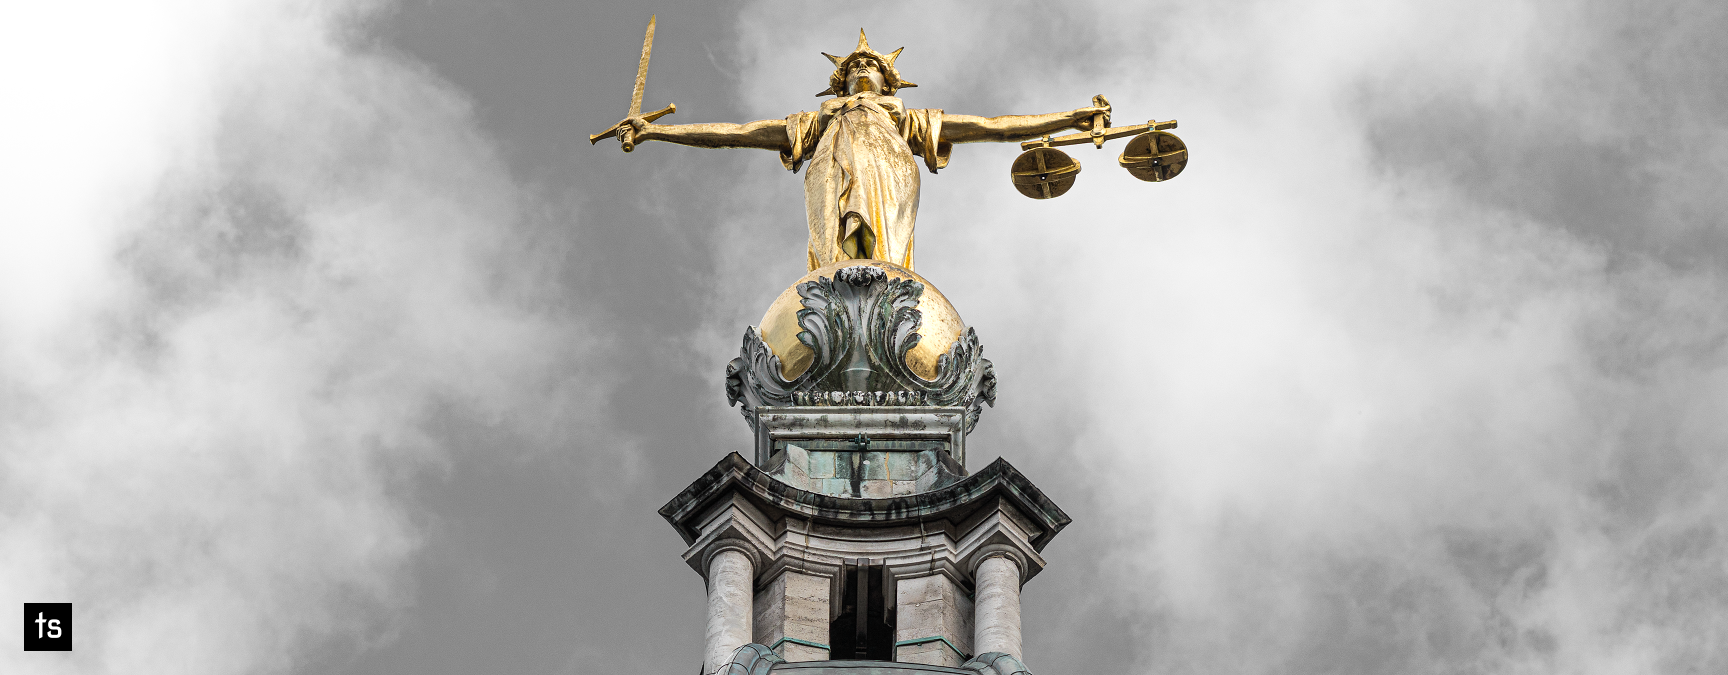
(938, 531)
(935, 621)
(792, 616)
(729, 580)
(859, 482)
(998, 603)
(887, 428)
(935, 546)
(867, 474)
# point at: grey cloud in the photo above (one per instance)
(1414, 369)
(202, 451)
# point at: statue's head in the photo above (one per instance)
(864, 75)
(863, 69)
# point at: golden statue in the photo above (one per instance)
(863, 345)
(859, 150)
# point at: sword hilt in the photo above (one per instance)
(625, 133)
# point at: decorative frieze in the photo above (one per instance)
(860, 398)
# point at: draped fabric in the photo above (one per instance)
(859, 156)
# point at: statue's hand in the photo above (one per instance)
(1085, 117)
(632, 130)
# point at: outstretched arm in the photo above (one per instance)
(765, 134)
(1013, 128)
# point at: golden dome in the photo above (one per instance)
(940, 327)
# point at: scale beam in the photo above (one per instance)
(1112, 134)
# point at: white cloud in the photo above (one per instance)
(244, 258)
(1347, 413)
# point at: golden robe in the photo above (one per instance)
(860, 151)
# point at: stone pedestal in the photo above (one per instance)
(915, 429)
(933, 549)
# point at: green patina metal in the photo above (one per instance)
(796, 641)
(934, 638)
(866, 668)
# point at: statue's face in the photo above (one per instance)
(864, 75)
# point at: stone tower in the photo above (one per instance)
(851, 538)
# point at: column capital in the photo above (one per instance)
(734, 525)
(1003, 550)
(714, 549)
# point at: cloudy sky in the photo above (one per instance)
(328, 344)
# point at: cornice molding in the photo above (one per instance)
(776, 499)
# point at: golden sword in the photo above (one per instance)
(625, 133)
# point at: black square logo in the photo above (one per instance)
(47, 626)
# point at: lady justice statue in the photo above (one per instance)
(856, 533)
(858, 150)
(861, 328)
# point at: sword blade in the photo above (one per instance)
(642, 70)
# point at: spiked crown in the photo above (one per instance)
(890, 76)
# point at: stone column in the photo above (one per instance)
(996, 627)
(731, 576)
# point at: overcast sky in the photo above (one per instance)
(329, 345)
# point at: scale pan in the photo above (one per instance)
(1042, 173)
(1154, 156)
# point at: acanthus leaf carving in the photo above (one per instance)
(862, 320)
